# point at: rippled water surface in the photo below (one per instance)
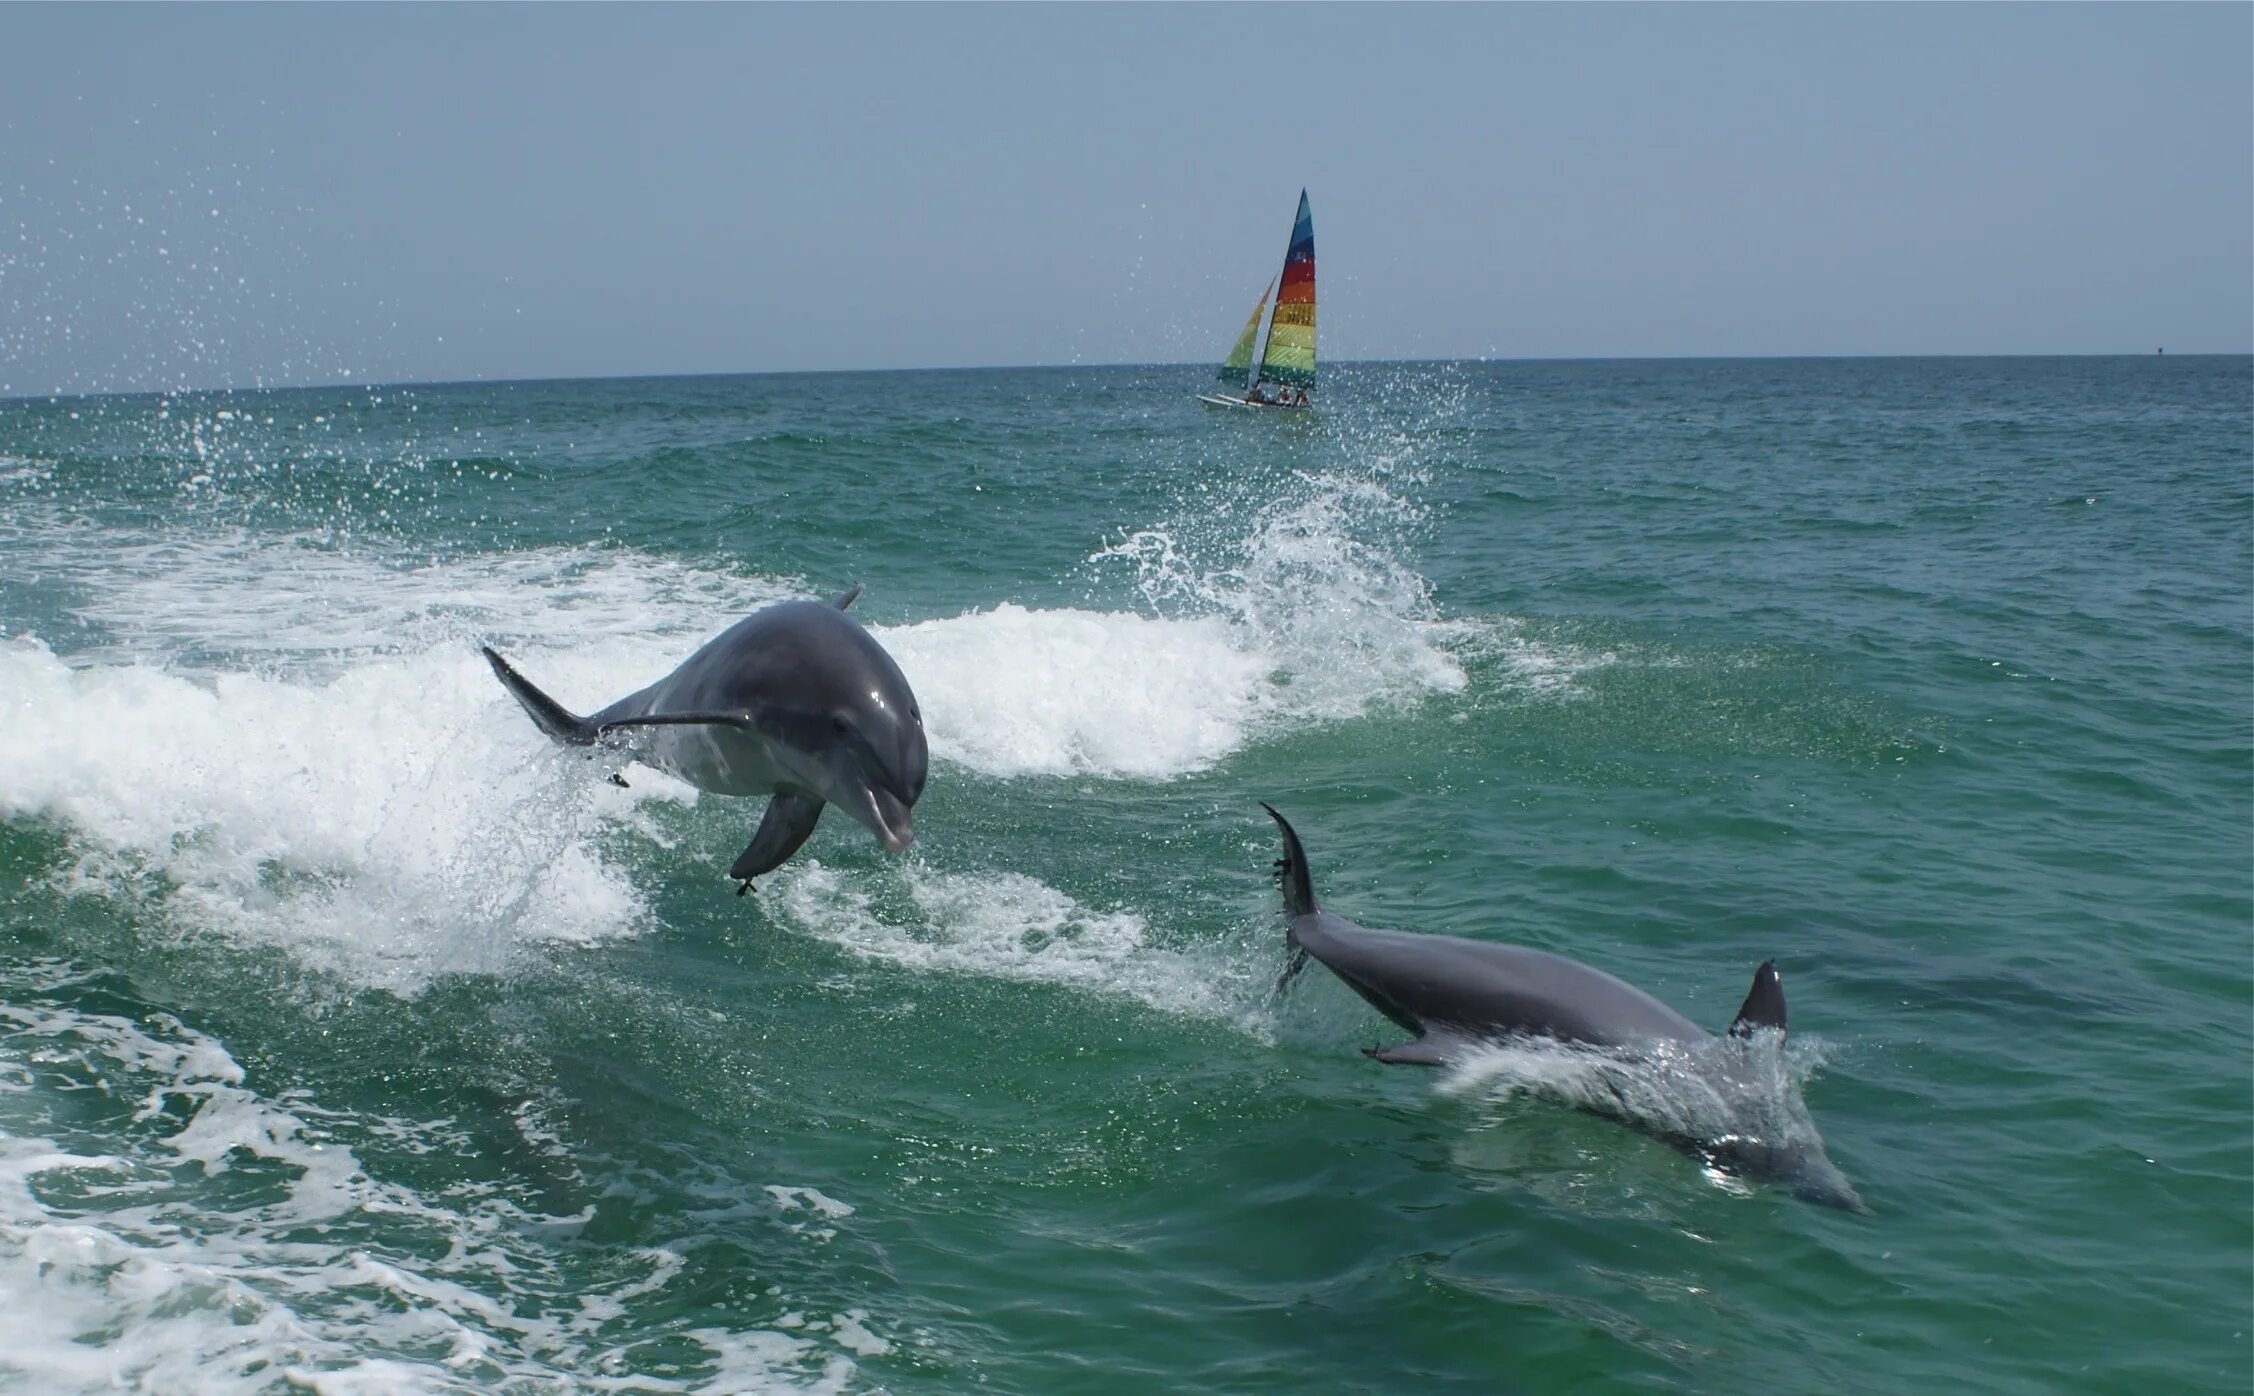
(351, 1036)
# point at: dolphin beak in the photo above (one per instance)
(887, 817)
(1829, 1187)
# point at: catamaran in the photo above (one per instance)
(1288, 363)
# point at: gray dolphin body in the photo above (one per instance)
(795, 701)
(1457, 995)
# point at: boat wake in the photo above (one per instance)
(291, 744)
(165, 1226)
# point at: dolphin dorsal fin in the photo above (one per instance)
(846, 597)
(1764, 1003)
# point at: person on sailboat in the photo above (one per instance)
(1299, 398)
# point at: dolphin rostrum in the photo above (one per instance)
(1460, 995)
(795, 701)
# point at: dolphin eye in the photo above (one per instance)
(840, 726)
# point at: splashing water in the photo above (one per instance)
(1733, 1101)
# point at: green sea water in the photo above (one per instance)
(353, 1038)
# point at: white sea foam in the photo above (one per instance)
(791, 1199)
(1289, 617)
(1016, 692)
(1005, 925)
(120, 1269)
(289, 741)
(294, 743)
(1539, 668)
(388, 824)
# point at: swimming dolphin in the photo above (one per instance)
(1459, 995)
(795, 701)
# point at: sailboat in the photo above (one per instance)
(1288, 362)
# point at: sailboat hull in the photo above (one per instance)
(1224, 400)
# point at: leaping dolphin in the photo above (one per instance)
(1459, 995)
(795, 701)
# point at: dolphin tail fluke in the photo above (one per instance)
(1291, 869)
(550, 716)
(847, 597)
(1299, 897)
(1764, 1004)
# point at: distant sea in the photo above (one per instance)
(353, 1038)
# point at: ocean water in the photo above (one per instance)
(353, 1038)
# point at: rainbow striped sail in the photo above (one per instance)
(1289, 358)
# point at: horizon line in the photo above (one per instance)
(332, 385)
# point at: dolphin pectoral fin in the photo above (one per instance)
(1425, 1051)
(846, 597)
(789, 822)
(1764, 1003)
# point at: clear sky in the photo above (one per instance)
(203, 195)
